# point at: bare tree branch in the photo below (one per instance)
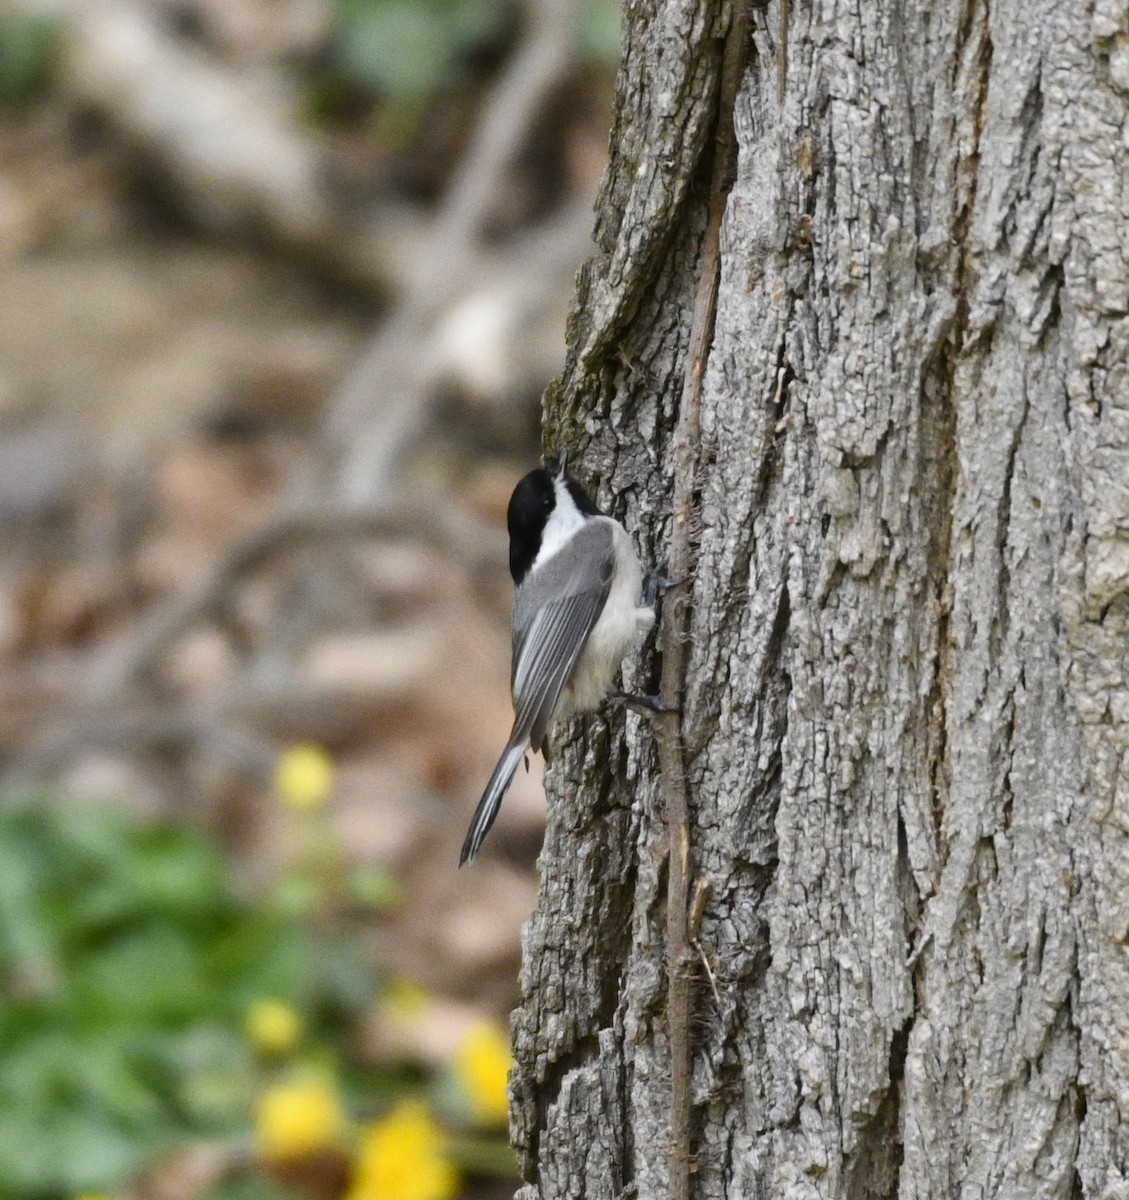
(379, 408)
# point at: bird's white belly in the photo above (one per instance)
(621, 626)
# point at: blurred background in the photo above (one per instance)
(282, 283)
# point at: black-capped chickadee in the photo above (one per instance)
(579, 610)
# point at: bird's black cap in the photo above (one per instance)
(530, 505)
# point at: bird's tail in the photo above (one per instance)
(491, 800)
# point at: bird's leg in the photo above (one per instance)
(657, 583)
(645, 706)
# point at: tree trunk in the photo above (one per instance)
(906, 705)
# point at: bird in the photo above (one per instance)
(580, 607)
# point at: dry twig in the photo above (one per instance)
(123, 663)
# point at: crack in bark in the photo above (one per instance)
(964, 207)
(654, 180)
(875, 1172)
(1002, 622)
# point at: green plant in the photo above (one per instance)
(28, 45)
(128, 963)
(409, 48)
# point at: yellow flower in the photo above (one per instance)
(272, 1027)
(303, 777)
(401, 1158)
(296, 1119)
(481, 1066)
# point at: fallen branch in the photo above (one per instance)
(239, 723)
(227, 140)
(173, 729)
(128, 659)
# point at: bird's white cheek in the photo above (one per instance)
(562, 524)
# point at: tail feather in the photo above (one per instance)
(491, 800)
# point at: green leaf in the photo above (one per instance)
(28, 45)
(376, 888)
(91, 1153)
(600, 32)
(410, 48)
(153, 975)
(250, 1188)
(263, 956)
(28, 943)
(401, 47)
(347, 977)
(128, 963)
(215, 1079)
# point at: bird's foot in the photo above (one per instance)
(646, 706)
(658, 582)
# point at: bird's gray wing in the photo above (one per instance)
(549, 634)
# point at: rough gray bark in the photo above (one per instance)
(907, 698)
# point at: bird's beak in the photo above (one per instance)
(558, 464)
